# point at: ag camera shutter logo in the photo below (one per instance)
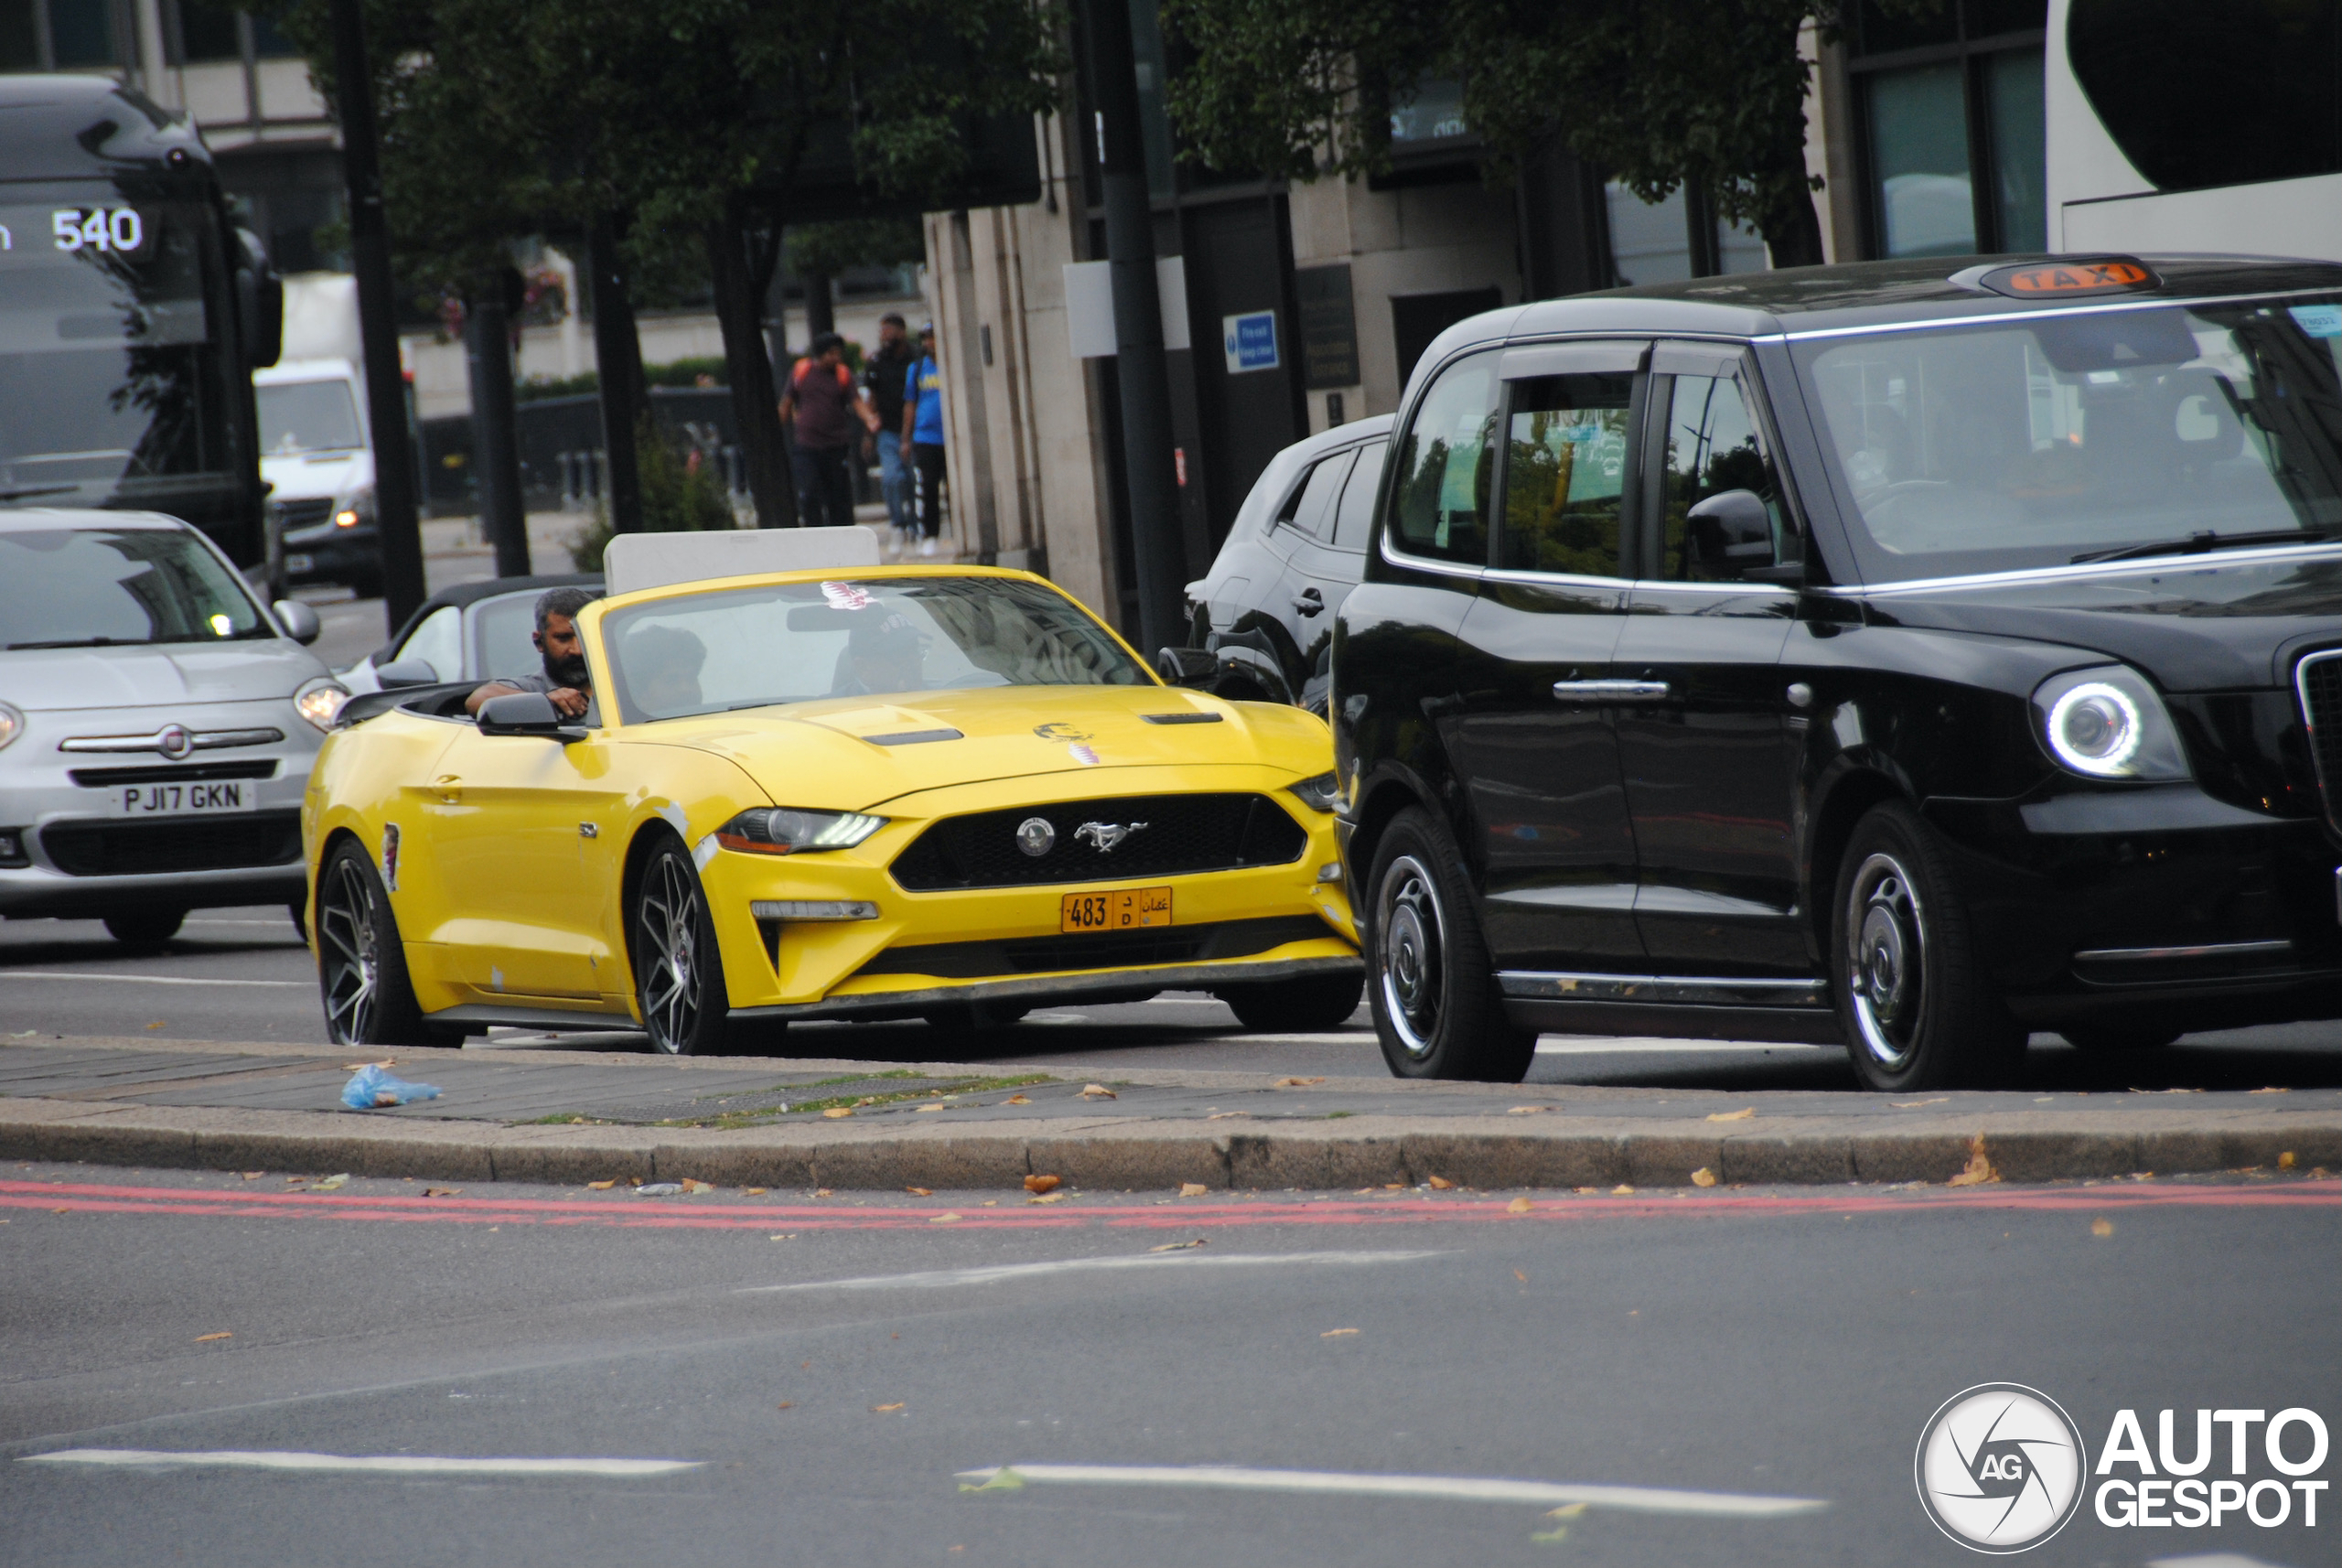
(2000, 1468)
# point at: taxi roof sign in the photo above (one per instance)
(2065, 279)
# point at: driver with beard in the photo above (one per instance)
(566, 678)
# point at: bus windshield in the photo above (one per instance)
(113, 351)
(2048, 439)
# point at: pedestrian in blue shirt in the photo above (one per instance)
(923, 436)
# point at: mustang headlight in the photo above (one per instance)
(1323, 793)
(2108, 723)
(319, 701)
(784, 830)
(11, 724)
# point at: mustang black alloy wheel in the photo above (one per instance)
(1904, 973)
(1428, 977)
(362, 966)
(678, 974)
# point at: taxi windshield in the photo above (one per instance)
(2088, 435)
(799, 642)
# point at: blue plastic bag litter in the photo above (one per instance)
(371, 1086)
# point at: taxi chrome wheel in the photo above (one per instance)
(361, 965)
(1909, 991)
(1428, 978)
(679, 977)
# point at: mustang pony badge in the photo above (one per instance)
(1104, 836)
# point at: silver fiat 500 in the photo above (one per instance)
(158, 724)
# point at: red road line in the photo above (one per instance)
(92, 1197)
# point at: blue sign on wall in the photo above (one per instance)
(1251, 340)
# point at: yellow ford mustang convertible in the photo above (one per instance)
(868, 793)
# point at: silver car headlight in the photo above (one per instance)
(2108, 723)
(11, 724)
(319, 701)
(782, 830)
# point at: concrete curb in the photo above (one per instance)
(1481, 1151)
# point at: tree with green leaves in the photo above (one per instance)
(1657, 93)
(818, 253)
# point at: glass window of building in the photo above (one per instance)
(64, 35)
(1952, 145)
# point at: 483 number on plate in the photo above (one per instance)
(1123, 910)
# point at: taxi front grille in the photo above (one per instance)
(179, 844)
(1183, 833)
(2318, 680)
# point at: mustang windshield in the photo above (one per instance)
(2035, 441)
(96, 587)
(799, 642)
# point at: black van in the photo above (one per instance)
(1890, 654)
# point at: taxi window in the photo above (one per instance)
(1356, 509)
(1442, 506)
(1713, 448)
(1565, 473)
(1311, 508)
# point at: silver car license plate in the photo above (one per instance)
(198, 799)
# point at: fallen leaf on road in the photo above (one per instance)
(207, 1339)
(920, 1191)
(834, 1112)
(923, 1109)
(1915, 1104)
(992, 1203)
(1295, 1083)
(2275, 1091)
(155, 1024)
(658, 1190)
(1228, 1116)
(254, 1175)
(443, 1192)
(1438, 1184)
(1098, 1091)
(943, 1220)
(1622, 1190)
(602, 1185)
(2102, 1227)
(1978, 1168)
(821, 1192)
(1192, 1189)
(1519, 1206)
(1047, 1198)
(1522, 1277)
(883, 1409)
(2285, 1161)
(1336, 1332)
(752, 1192)
(1041, 1183)
(1016, 1099)
(790, 1236)
(333, 1183)
(1529, 1109)
(1703, 1177)
(1178, 1246)
(1743, 1114)
(692, 1184)
(785, 1405)
(1394, 1187)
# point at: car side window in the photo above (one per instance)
(501, 629)
(1356, 509)
(1311, 511)
(1720, 492)
(438, 642)
(1565, 473)
(1440, 509)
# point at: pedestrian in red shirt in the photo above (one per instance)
(821, 406)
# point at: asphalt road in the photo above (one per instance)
(834, 1373)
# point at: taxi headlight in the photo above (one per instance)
(11, 724)
(785, 830)
(2108, 723)
(319, 701)
(1323, 793)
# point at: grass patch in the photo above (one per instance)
(734, 1120)
(561, 1119)
(1337, 1115)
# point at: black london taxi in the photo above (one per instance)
(1910, 655)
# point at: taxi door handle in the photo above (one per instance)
(1611, 690)
(448, 787)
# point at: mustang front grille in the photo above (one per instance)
(180, 844)
(1124, 840)
(1201, 943)
(2318, 681)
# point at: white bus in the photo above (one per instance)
(2207, 125)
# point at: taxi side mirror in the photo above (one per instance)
(525, 713)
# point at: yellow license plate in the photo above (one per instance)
(1125, 909)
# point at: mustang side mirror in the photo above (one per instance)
(1186, 666)
(412, 672)
(525, 713)
(299, 621)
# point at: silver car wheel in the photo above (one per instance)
(1410, 954)
(1886, 960)
(667, 917)
(346, 945)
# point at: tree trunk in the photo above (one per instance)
(754, 404)
(618, 355)
(1793, 230)
(820, 310)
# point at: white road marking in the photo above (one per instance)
(146, 979)
(390, 1464)
(937, 1279)
(1636, 1045)
(1457, 1488)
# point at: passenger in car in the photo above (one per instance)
(567, 680)
(882, 655)
(662, 665)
